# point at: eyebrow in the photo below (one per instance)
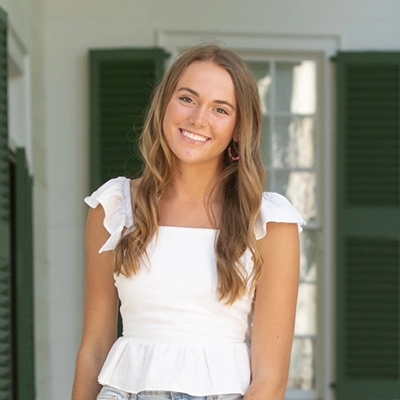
(197, 94)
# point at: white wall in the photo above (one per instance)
(364, 24)
(71, 28)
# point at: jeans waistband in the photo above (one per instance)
(109, 393)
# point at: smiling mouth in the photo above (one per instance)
(194, 136)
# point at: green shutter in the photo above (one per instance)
(5, 256)
(121, 83)
(368, 226)
(24, 280)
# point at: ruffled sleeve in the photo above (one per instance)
(115, 198)
(276, 208)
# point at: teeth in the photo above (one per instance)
(193, 136)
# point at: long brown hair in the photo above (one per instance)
(242, 182)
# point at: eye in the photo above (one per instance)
(186, 99)
(221, 110)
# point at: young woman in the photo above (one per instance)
(203, 262)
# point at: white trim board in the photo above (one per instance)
(16, 53)
(175, 41)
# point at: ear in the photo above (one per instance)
(236, 137)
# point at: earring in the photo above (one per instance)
(234, 156)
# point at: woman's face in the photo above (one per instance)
(201, 115)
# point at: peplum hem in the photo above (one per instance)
(135, 365)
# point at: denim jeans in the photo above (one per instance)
(109, 393)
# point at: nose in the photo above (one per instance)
(198, 117)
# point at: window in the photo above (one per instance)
(290, 146)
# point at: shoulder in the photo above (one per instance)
(276, 208)
(114, 196)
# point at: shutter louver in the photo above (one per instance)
(5, 277)
(24, 277)
(373, 140)
(368, 226)
(121, 85)
(372, 302)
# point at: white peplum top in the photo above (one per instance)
(177, 336)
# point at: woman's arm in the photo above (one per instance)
(274, 313)
(101, 309)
